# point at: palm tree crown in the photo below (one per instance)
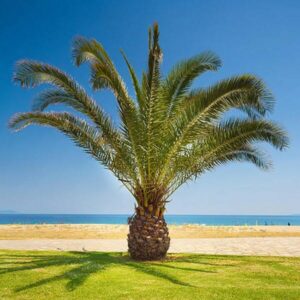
(169, 133)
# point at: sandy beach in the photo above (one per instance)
(107, 231)
(235, 240)
(225, 246)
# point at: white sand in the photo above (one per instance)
(111, 232)
(278, 246)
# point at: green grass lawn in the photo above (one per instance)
(92, 275)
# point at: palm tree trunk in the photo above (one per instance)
(148, 237)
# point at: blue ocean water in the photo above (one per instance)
(171, 219)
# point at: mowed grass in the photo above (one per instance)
(96, 275)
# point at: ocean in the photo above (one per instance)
(171, 219)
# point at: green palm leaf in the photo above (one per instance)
(181, 77)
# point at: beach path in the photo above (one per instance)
(270, 246)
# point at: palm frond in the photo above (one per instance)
(138, 91)
(68, 92)
(105, 75)
(77, 129)
(191, 166)
(153, 116)
(103, 72)
(204, 106)
(181, 77)
(83, 135)
(230, 139)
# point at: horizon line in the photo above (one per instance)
(125, 214)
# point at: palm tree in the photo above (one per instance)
(169, 134)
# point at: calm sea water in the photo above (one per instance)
(171, 219)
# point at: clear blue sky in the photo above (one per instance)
(41, 171)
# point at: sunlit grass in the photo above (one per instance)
(92, 275)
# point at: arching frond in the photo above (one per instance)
(231, 139)
(246, 93)
(84, 136)
(103, 72)
(77, 129)
(68, 92)
(181, 77)
(191, 166)
(105, 75)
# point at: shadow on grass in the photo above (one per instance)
(81, 265)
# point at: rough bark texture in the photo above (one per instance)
(148, 237)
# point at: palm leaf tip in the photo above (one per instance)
(89, 50)
(212, 61)
(255, 156)
(273, 134)
(16, 122)
(23, 73)
(257, 131)
(30, 73)
(79, 44)
(153, 35)
(258, 89)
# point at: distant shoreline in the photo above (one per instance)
(209, 220)
(167, 214)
